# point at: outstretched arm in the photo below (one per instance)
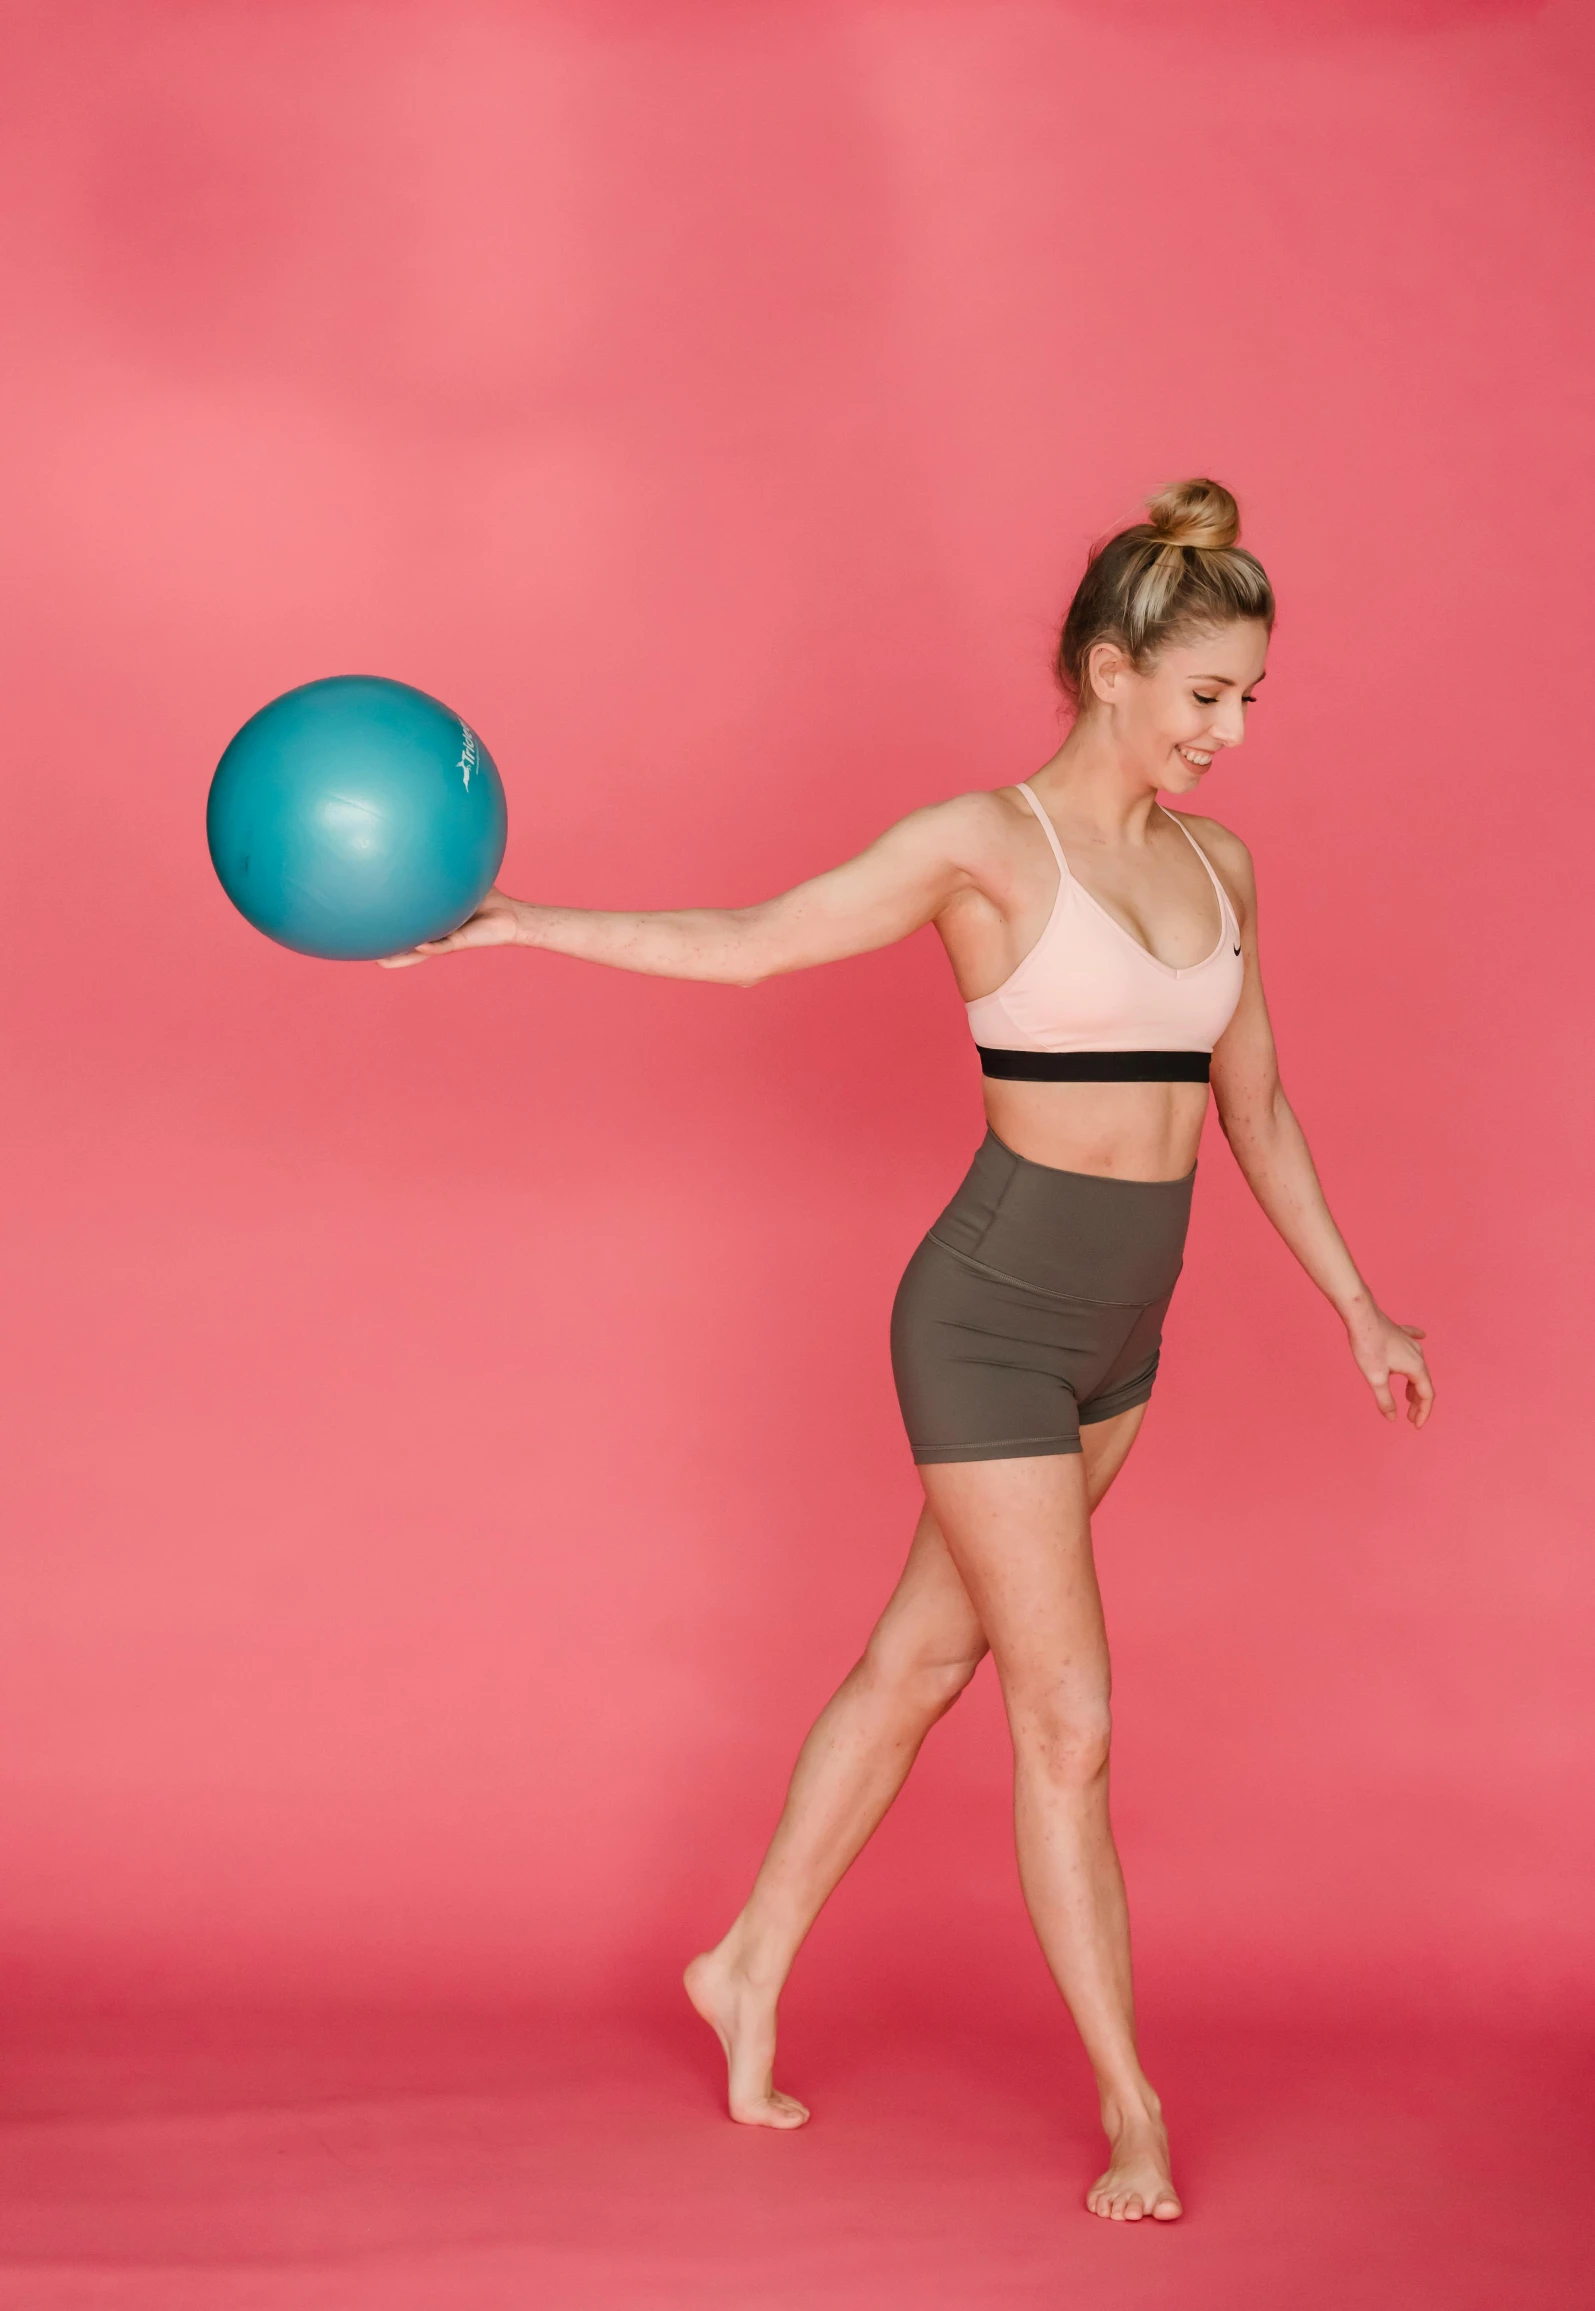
(1272, 1151)
(902, 881)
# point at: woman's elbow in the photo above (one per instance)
(753, 960)
(741, 955)
(1248, 1111)
(763, 946)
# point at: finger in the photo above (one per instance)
(422, 952)
(1420, 1396)
(1382, 1396)
(1414, 1331)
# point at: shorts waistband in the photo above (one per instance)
(1071, 1234)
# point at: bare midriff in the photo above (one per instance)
(1121, 1131)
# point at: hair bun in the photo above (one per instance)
(1198, 513)
(1180, 573)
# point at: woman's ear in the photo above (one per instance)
(1106, 666)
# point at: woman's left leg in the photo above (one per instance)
(925, 1648)
(1019, 1532)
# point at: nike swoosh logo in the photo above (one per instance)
(1237, 950)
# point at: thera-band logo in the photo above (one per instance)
(467, 761)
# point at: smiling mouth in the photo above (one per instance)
(1197, 760)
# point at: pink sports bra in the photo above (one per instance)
(1090, 1004)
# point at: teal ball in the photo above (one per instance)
(355, 817)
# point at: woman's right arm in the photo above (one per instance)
(903, 880)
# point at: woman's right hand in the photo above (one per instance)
(496, 923)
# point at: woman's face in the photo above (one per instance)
(1174, 719)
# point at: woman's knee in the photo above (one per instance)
(925, 1679)
(1064, 1732)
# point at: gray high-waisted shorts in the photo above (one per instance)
(1034, 1305)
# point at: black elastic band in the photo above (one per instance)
(1096, 1066)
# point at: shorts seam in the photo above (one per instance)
(1001, 1276)
(1137, 1389)
(995, 1213)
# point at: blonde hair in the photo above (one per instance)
(1179, 572)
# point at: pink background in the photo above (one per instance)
(452, 1450)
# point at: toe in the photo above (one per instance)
(1133, 2209)
(1168, 2208)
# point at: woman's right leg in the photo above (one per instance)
(925, 1648)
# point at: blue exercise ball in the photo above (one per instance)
(354, 817)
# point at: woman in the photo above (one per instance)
(1107, 952)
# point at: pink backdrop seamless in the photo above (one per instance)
(452, 1448)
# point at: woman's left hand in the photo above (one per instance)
(1386, 1350)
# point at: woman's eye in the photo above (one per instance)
(1203, 700)
(1248, 698)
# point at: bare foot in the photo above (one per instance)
(1138, 2181)
(743, 2019)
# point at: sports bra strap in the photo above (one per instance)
(1048, 829)
(1226, 913)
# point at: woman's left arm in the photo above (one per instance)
(1274, 1157)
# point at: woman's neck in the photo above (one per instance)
(1090, 782)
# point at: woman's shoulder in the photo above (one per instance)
(970, 825)
(1231, 860)
(1222, 845)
